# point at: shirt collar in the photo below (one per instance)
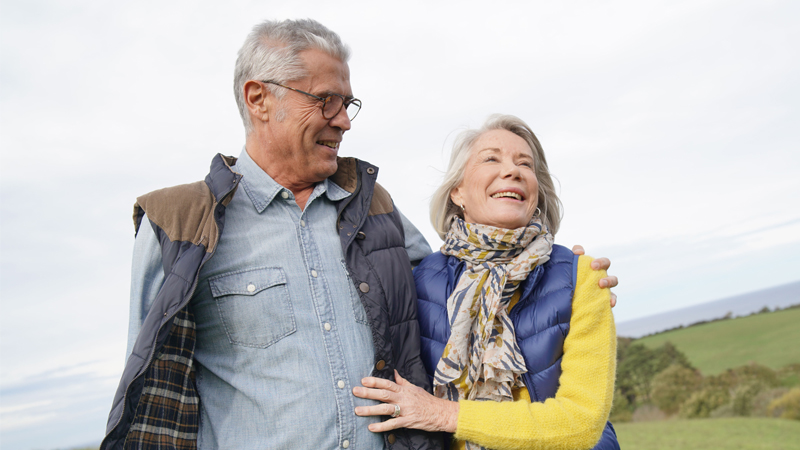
(262, 189)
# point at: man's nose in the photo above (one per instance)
(340, 120)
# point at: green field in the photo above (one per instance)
(709, 434)
(770, 339)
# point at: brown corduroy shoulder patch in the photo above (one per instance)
(381, 201)
(185, 213)
(346, 174)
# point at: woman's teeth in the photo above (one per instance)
(507, 194)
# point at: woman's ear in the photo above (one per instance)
(258, 100)
(455, 196)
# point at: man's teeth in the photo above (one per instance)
(507, 194)
(331, 144)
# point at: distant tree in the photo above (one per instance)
(622, 346)
(743, 396)
(754, 372)
(789, 375)
(673, 386)
(788, 406)
(638, 365)
(634, 373)
(701, 403)
(668, 355)
(621, 409)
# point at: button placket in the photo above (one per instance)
(324, 305)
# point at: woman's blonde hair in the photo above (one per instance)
(443, 210)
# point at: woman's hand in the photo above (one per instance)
(601, 264)
(418, 409)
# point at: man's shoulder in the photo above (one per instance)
(176, 200)
(179, 193)
(180, 211)
(346, 177)
(186, 212)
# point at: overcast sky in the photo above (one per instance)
(671, 126)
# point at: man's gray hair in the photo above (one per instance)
(271, 52)
(443, 210)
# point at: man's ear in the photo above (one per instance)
(258, 100)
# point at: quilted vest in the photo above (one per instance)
(156, 404)
(541, 319)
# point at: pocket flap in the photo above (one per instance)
(246, 282)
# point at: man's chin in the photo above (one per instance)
(327, 169)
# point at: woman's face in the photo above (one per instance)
(499, 187)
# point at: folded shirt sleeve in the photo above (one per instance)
(576, 417)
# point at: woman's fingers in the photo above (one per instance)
(400, 380)
(601, 264)
(418, 408)
(384, 409)
(381, 395)
(386, 425)
(609, 282)
(379, 383)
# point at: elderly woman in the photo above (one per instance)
(517, 336)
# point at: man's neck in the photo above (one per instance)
(275, 168)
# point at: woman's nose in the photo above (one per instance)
(510, 170)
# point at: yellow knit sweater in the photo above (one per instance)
(575, 418)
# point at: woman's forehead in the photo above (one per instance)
(499, 141)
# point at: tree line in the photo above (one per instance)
(659, 383)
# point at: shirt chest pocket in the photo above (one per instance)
(254, 306)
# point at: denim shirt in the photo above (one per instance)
(282, 337)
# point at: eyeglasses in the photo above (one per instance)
(332, 104)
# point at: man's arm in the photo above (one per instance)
(416, 245)
(147, 276)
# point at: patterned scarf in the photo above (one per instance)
(482, 360)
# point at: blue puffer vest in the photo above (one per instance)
(541, 319)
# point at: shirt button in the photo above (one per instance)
(314, 273)
(285, 194)
(345, 444)
(380, 365)
(327, 326)
(251, 287)
(340, 384)
(363, 287)
(303, 223)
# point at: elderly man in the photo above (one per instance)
(261, 295)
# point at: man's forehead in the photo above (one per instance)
(326, 72)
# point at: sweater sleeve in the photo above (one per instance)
(575, 418)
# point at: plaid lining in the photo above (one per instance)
(167, 416)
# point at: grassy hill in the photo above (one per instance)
(736, 433)
(769, 339)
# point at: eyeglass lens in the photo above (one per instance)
(333, 105)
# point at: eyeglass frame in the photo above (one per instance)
(346, 101)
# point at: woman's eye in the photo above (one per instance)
(527, 164)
